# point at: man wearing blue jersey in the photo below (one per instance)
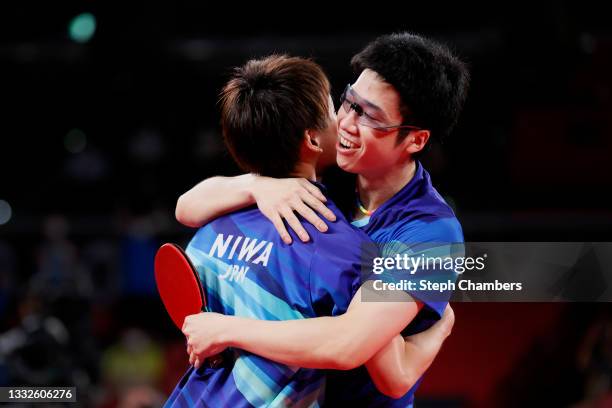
(245, 267)
(409, 88)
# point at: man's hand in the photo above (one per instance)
(428, 342)
(277, 199)
(205, 334)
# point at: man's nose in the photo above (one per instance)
(348, 121)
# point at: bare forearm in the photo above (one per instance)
(214, 197)
(309, 343)
(340, 343)
(390, 369)
(398, 366)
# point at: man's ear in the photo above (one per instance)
(417, 139)
(311, 141)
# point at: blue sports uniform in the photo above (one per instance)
(247, 271)
(416, 220)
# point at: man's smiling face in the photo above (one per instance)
(370, 102)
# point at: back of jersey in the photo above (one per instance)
(248, 271)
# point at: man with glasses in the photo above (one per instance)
(373, 116)
(408, 90)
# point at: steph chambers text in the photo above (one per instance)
(428, 285)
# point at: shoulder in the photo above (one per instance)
(202, 235)
(342, 244)
(428, 217)
(340, 235)
(429, 228)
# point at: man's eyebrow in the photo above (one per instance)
(368, 103)
(365, 101)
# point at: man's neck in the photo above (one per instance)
(305, 170)
(374, 190)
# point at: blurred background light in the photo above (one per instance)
(75, 141)
(5, 212)
(82, 27)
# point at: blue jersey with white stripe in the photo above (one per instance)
(414, 221)
(247, 271)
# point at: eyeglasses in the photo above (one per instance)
(367, 116)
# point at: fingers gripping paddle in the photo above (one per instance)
(178, 283)
(180, 288)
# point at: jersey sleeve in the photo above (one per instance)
(426, 268)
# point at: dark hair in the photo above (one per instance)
(431, 81)
(266, 107)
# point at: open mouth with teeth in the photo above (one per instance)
(346, 144)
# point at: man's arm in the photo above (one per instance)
(212, 198)
(276, 198)
(342, 342)
(398, 365)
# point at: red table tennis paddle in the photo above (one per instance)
(180, 288)
(178, 283)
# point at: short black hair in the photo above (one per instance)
(432, 82)
(266, 107)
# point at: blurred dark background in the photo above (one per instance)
(109, 114)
